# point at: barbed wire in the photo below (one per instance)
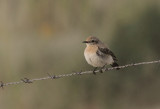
(26, 80)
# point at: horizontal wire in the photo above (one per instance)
(26, 80)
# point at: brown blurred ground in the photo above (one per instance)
(40, 37)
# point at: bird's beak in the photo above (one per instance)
(85, 42)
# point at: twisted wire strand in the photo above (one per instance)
(26, 80)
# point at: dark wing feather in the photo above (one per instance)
(107, 51)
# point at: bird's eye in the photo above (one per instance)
(93, 41)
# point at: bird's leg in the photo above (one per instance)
(101, 70)
(94, 70)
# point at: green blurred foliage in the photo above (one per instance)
(45, 36)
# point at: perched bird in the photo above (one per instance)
(98, 54)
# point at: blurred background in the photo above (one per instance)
(45, 36)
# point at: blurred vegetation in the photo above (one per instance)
(44, 36)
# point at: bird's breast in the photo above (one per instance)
(91, 49)
(93, 59)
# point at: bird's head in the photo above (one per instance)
(91, 40)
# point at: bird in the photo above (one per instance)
(98, 55)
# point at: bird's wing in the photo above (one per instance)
(101, 51)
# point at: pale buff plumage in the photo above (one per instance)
(94, 60)
(97, 54)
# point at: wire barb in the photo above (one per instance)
(1, 84)
(26, 80)
(79, 73)
(52, 76)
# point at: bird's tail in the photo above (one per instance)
(115, 65)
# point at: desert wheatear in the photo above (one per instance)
(98, 54)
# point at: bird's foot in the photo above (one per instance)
(94, 70)
(101, 70)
